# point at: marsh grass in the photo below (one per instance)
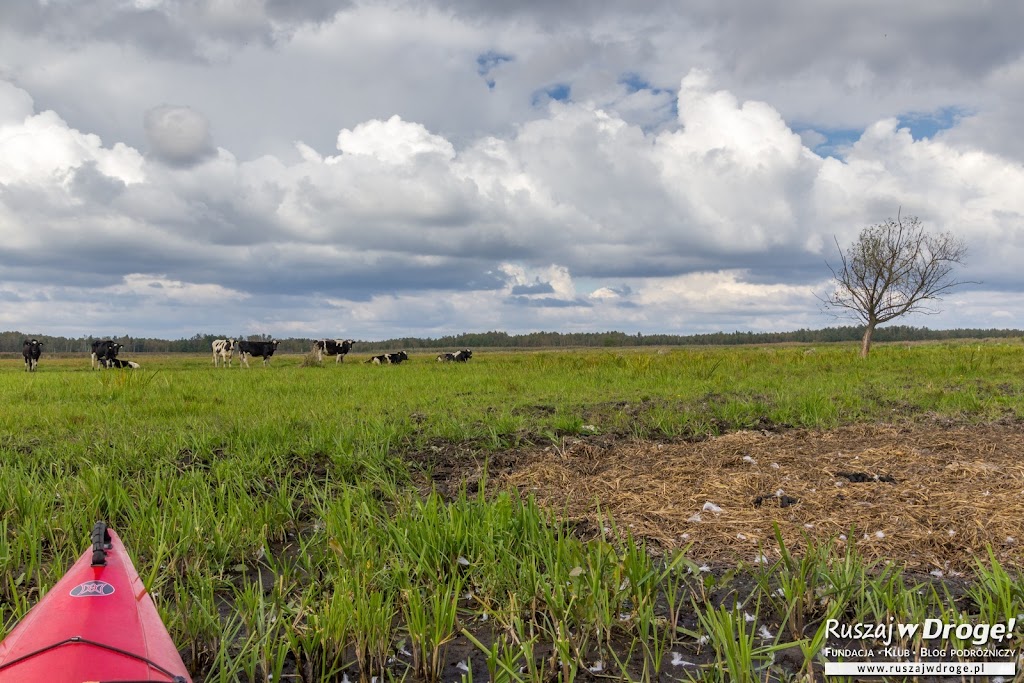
(272, 512)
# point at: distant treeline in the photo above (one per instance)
(12, 341)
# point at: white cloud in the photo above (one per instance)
(393, 141)
(40, 149)
(552, 280)
(158, 289)
(656, 196)
(724, 292)
(605, 293)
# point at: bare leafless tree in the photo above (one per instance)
(893, 268)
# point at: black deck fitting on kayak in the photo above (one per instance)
(100, 544)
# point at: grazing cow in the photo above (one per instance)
(389, 358)
(255, 348)
(332, 347)
(118, 363)
(458, 357)
(104, 350)
(222, 350)
(31, 350)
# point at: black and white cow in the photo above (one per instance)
(104, 350)
(262, 349)
(332, 347)
(458, 357)
(31, 350)
(118, 363)
(389, 358)
(222, 350)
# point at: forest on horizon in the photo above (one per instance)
(11, 342)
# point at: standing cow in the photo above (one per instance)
(332, 347)
(222, 350)
(31, 349)
(103, 351)
(255, 348)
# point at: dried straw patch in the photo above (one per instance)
(955, 491)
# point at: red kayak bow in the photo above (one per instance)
(97, 624)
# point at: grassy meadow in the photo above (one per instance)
(286, 532)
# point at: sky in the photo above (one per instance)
(338, 168)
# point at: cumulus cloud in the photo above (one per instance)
(179, 136)
(579, 217)
(393, 141)
(41, 150)
(158, 289)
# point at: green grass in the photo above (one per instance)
(272, 512)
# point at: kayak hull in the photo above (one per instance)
(98, 623)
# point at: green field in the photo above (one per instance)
(283, 519)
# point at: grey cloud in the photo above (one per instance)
(92, 184)
(548, 302)
(536, 288)
(150, 31)
(175, 30)
(96, 21)
(825, 64)
(550, 15)
(777, 39)
(314, 11)
(179, 136)
(97, 260)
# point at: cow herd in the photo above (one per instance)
(104, 353)
(223, 349)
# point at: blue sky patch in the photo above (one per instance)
(836, 140)
(921, 125)
(487, 62)
(558, 91)
(926, 124)
(635, 83)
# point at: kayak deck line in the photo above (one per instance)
(175, 678)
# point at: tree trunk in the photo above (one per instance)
(865, 345)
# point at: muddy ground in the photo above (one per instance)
(929, 496)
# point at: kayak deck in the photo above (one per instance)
(98, 623)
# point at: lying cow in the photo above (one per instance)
(389, 358)
(104, 350)
(332, 347)
(31, 349)
(458, 357)
(255, 348)
(222, 350)
(118, 363)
